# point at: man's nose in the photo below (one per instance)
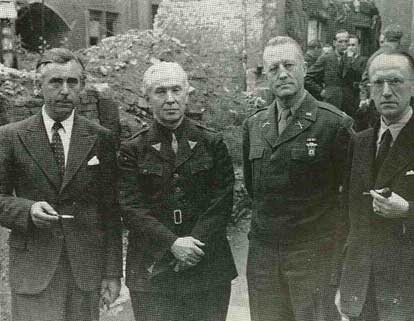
(65, 88)
(386, 92)
(170, 97)
(282, 73)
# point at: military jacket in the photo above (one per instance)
(166, 196)
(294, 179)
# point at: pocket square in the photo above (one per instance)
(93, 161)
(411, 172)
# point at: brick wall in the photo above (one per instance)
(228, 33)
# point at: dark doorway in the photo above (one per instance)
(29, 27)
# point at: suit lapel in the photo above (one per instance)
(36, 141)
(81, 143)
(365, 154)
(400, 154)
(301, 120)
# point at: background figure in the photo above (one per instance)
(178, 181)
(325, 78)
(293, 153)
(377, 275)
(314, 50)
(58, 195)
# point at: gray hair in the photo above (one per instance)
(281, 40)
(160, 68)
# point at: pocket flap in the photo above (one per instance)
(150, 169)
(256, 152)
(202, 165)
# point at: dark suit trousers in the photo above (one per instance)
(291, 281)
(62, 300)
(209, 305)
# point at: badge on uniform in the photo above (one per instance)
(311, 145)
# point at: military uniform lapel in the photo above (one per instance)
(81, 143)
(187, 143)
(36, 141)
(269, 126)
(158, 144)
(400, 154)
(304, 116)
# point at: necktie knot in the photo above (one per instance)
(56, 126)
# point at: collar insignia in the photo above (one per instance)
(192, 144)
(157, 147)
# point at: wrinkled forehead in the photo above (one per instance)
(390, 65)
(68, 69)
(343, 36)
(280, 53)
(166, 76)
(353, 41)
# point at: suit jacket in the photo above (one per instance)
(199, 183)
(294, 184)
(28, 174)
(379, 245)
(341, 88)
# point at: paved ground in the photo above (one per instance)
(239, 302)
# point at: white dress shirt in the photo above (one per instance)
(65, 133)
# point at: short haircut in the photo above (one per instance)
(393, 33)
(159, 68)
(354, 36)
(59, 56)
(340, 31)
(390, 52)
(314, 44)
(281, 40)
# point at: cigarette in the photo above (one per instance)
(366, 193)
(66, 216)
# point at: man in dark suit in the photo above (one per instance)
(294, 153)
(178, 194)
(58, 195)
(377, 276)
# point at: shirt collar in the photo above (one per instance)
(49, 122)
(293, 109)
(396, 127)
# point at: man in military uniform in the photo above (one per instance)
(177, 199)
(294, 153)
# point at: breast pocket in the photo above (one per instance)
(308, 168)
(201, 166)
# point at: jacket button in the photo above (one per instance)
(145, 171)
(177, 189)
(176, 175)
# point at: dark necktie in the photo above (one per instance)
(57, 148)
(383, 150)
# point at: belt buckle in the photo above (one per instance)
(178, 217)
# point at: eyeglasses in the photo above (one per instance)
(392, 83)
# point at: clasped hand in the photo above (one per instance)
(392, 207)
(187, 250)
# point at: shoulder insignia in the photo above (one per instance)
(258, 111)
(142, 130)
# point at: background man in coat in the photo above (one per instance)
(178, 195)
(378, 276)
(58, 197)
(325, 78)
(294, 153)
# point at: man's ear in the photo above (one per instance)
(305, 67)
(37, 85)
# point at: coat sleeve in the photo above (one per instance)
(136, 209)
(314, 77)
(109, 208)
(14, 211)
(217, 215)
